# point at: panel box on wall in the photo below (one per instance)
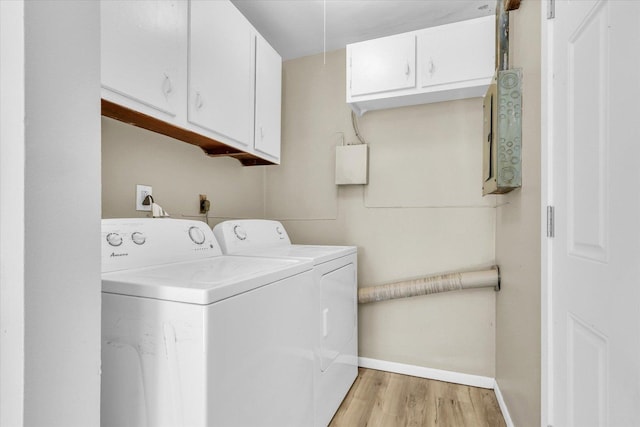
(502, 145)
(352, 164)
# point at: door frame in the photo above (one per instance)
(546, 199)
(12, 210)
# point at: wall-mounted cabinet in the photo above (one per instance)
(143, 53)
(436, 64)
(196, 71)
(385, 65)
(268, 99)
(221, 71)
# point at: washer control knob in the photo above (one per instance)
(196, 235)
(138, 238)
(280, 232)
(239, 232)
(114, 239)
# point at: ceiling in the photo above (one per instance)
(295, 28)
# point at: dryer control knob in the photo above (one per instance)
(239, 232)
(280, 232)
(196, 235)
(114, 239)
(138, 238)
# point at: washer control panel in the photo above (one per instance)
(197, 235)
(134, 243)
(138, 238)
(114, 239)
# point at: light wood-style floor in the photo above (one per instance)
(379, 398)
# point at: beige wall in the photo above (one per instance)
(178, 173)
(422, 212)
(518, 240)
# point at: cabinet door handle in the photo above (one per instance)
(325, 323)
(432, 67)
(261, 133)
(199, 102)
(167, 87)
(407, 70)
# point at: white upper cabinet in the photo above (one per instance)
(144, 48)
(436, 64)
(268, 99)
(382, 65)
(221, 71)
(194, 70)
(458, 53)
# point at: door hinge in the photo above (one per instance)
(551, 226)
(551, 9)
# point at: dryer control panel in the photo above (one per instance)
(143, 242)
(250, 234)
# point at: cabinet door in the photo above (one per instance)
(144, 45)
(382, 65)
(268, 98)
(221, 70)
(458, 52)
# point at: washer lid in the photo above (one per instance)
(202, 281)
(316, 253)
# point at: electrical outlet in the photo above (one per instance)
(142, 191)
(204, 204)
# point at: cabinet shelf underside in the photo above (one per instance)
(210, 146)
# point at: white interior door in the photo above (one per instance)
(594, 258)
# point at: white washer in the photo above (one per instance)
(194, 338)
(335, 277)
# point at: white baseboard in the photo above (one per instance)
(503, 406)
(430, 373)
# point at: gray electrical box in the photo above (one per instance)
(352, 164)
(502, 145)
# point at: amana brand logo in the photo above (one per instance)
(113, 254)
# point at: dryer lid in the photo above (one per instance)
(317, 253)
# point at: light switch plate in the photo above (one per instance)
(352, 164)
(143, 191)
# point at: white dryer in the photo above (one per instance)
(335, 277)
(191, 337)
